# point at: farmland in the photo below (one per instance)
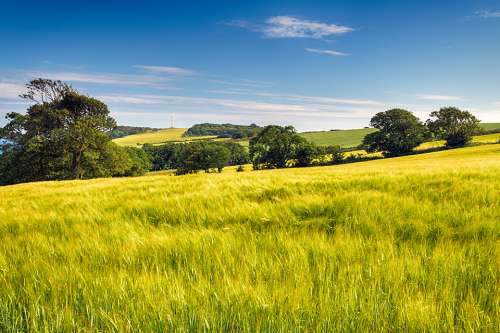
(345, 138)
(158, 137)
(407, 244)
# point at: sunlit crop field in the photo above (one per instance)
(158, 137)
(344, 138)
(401, 244)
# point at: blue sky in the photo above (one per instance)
(311, 64)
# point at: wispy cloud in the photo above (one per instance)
(201, 101)
(439, 98)
(177, 71)
(11, 90)
(292, 27)
(327, 52)
(487, 14)
(106, 78)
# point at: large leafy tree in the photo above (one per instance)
(399, 131)
(274, 147)
(62, 136)
(203, 156)
(453, 125)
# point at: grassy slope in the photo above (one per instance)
(490, 126)
(158, 137)
(163, 135)
(399, 244)
(354, 137)
(344, 138)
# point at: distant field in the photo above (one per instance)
(153, 137)
(354, 137)
(158, 137)
(490, 126)
(404, 244)
(344, 138)
(488, 138)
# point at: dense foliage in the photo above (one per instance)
(279, 147)
(399, 132)
(194, 156)
(62, 136)
(121, 131)
(454, 126)
(224, 130)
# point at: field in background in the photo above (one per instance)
(490, 126)
(158, 137)
(344, 138)
(401, 244)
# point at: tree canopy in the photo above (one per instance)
(62, 136)
(399, 131)
(224, 130)
(453, 125)
(277, 147)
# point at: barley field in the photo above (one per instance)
(401, 244)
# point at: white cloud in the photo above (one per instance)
(327, 52)
(292, 27)
(439, 98)
(11, 90)
(167, 70)
(105, 78)
(497, 104)
(487, 14)
(201, 101)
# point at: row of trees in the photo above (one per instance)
(281, 147)
(224, 130)
(201, 155)
(65, 135)
(399, 131)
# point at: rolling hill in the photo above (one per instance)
(158, 137)
(400, 244)
(345, 138)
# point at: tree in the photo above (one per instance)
(399, 131)
(238, 154)
(202, 156)
(453, 125)
(274, 147)
(62, 136)
(306, 152)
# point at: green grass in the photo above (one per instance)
(354, 137)
(344, 138)
(401, 244)
(158, 137)
(490, 126)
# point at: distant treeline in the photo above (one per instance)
(121, 131)
(65, 135)
(224, 130)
